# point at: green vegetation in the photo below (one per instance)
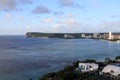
(89, 61)
(117, 57)
(69, 73)
(53, 35)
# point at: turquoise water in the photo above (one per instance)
(24, 58)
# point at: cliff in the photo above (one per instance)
(52, 35)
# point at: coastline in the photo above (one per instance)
(69, 71)
(75, 48)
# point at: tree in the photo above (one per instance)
(90, 61)
(69, 68)
(75, 64)
(117, 57)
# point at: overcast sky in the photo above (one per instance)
(74, 16)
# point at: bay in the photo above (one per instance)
(23, 58)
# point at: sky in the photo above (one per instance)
(59, 16)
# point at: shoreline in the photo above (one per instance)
(69, 70)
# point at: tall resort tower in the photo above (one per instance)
(110, 35)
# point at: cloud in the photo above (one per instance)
(58, 13)
(64, 28)
(40, 10)
(10, 5)
(109, 25)
(69, 22)
(69, 25)
(81, 7)
(115, 16)
(71, 3)
(19, 18)
(65, 25)
(26, 1)
(60, 28)
(56, 26)
(28, 27)
(94, 2)
(47, 20)
(7, 17)
(73, 27)
(69, 15)
(65, 3)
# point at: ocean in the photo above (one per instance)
(23, 58)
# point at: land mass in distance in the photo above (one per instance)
(107, 36)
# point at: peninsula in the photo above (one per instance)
(106, 36)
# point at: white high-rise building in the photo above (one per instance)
(110, 35)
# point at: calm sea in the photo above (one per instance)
(24, 58)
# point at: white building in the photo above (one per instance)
(96, 35)
(83, 35)
(86, 67)
(112, 69)
(67, 36)
(110, 35)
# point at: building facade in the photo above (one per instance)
(112, 70)
(86, 67)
